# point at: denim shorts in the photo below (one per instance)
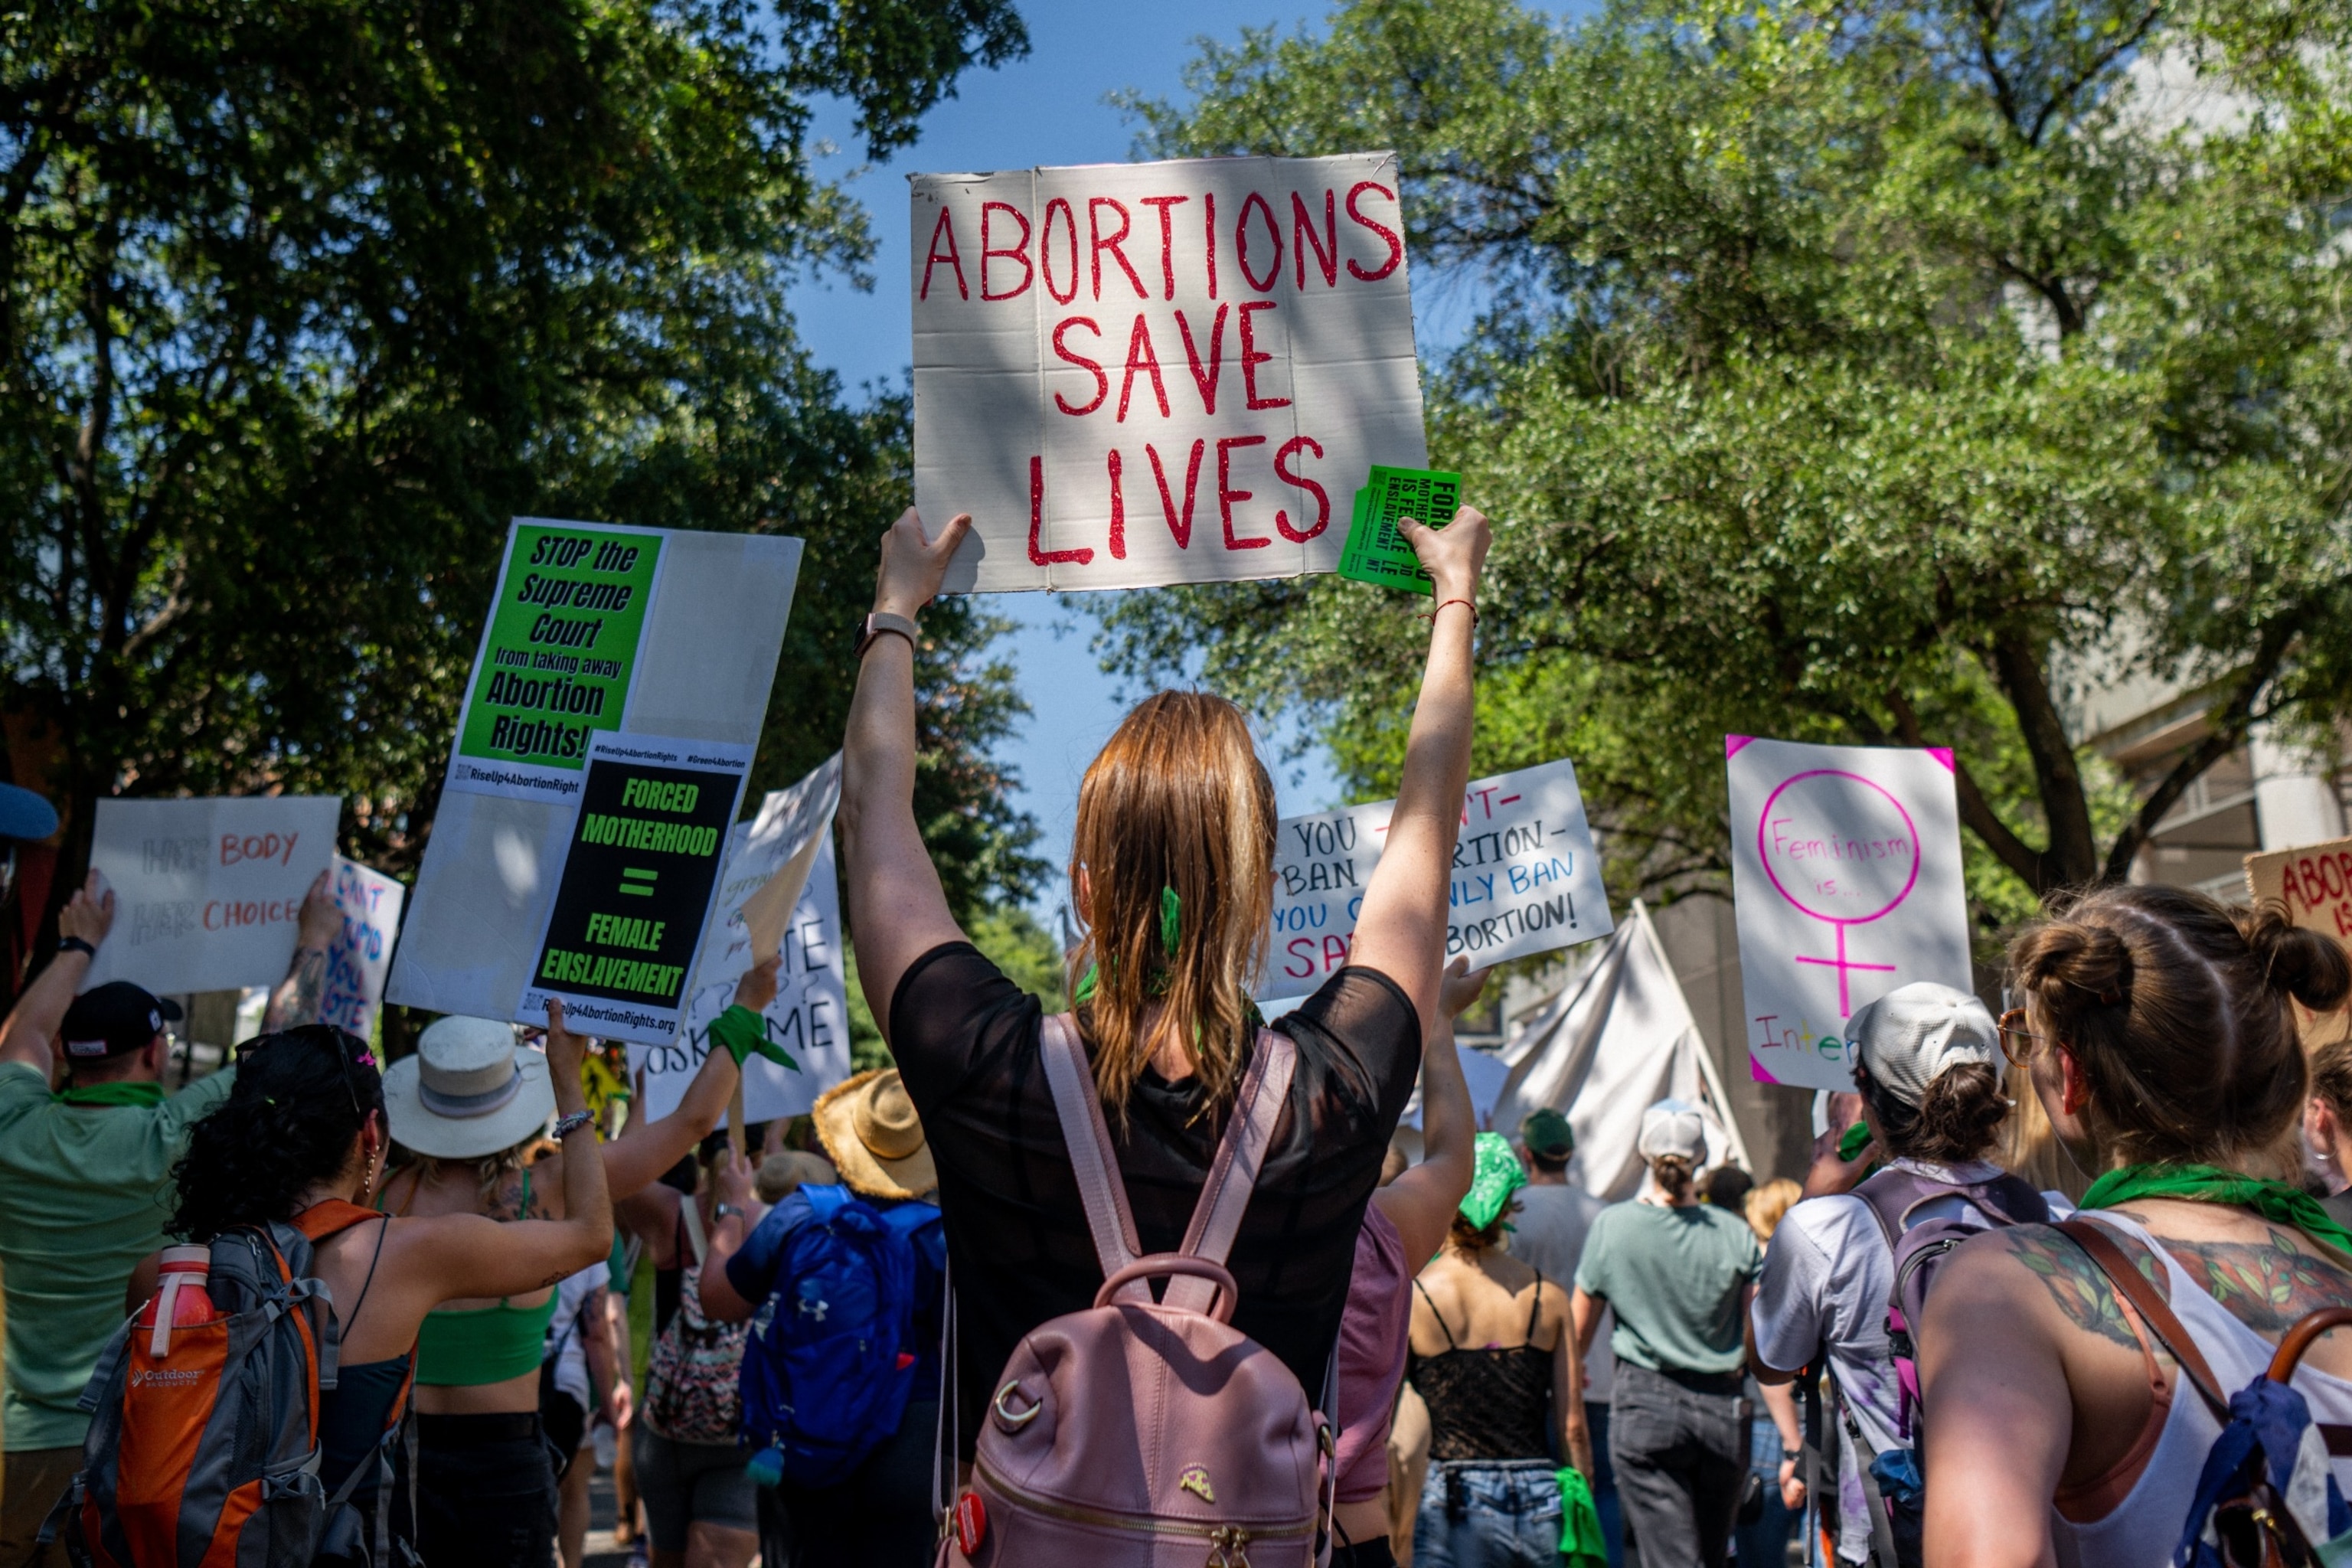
(1488, 1513)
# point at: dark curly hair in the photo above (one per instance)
(301, 1096)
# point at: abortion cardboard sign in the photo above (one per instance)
(208, 893)
(2314, 883)
(1525, 880)
(1845, 875)
(1142, 373)
(360, 956)
(628, 914)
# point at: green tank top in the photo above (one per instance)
(486, 1344)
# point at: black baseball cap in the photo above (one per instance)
(107, 1020)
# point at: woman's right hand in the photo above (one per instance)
(565, 1052)
(1454, 555)
(1458, 987)
(914, 565)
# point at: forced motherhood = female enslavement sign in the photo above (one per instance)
(1141, 374)
(1525, 879)
(1846, 883)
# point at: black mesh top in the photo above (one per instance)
(966, 1041)
(1485, 1402)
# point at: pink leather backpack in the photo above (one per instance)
(1145, 1432)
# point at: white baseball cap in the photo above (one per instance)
(1673, 1127)
(1908, 1038)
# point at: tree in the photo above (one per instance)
(300, 301)
(1878, 373)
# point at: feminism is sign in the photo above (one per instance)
(1846, 879)
(1133, 374)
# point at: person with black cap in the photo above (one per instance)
(85, 1192)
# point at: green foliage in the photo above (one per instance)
(1871, 373)
(300, 302)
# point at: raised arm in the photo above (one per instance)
(1402, 930)
(1421, 1202)
(296, 1000)
(721, 1303)
(896, 907)
(32, 1025)
(637, 1159)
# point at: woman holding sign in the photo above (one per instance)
(1173, 872)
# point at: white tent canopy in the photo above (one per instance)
(1606, 1048)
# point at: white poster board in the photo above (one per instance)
(360, 956)
(809, 1019)
(1138, 374)
(484, 894)
(1526, 880)
(208, 893)
(1846, 883)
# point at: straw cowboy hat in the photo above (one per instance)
(869, 1128)
(467, 1092)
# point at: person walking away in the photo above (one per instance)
(1494, 1357)
(1775, 1438)
(1927, 1066)
(1555, 1216)
(2328, 1123)
(1677, 1273)
(1407, 1219)
(470, 1105)
(84, 1188)
(2157, 1030)
(880, 1513)
(300, 1141)
(582, 1379)
(1172, 874)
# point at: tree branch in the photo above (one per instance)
(2073, 858)
(1976, 811)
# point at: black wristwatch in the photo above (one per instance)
(76, 944)
(1790, 1456)
(720, 1211)
(878, 623)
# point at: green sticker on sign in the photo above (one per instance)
(563, 644)
(1376, 550)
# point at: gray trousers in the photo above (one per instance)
(1679, 1446)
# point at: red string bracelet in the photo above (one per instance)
(1431, 616)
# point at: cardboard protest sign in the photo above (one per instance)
(2315, 883)
(1142, 373)
(360, 954)
(627, 919)
(676, 634)
(1845, 875)
(809, 1019)
(208, 893)
(1526, 880)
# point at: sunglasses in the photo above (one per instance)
(2016, 1043)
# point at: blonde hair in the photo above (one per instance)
(1765, 1205)
(1176, 803)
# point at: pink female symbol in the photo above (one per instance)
(1849, 857)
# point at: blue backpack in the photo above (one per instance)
(830, 1364)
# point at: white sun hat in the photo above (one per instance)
(468, 1093)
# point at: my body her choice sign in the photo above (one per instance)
(1141, 374)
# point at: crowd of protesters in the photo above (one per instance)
(1925, 1355)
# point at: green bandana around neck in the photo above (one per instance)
(1495, 1176)
(2210, 1184)
(142, 1096)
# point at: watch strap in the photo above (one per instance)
(882, 621)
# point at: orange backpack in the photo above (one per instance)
(203, 1438)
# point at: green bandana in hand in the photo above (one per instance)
(1580, 1541)
(1495, 1176)
(743, 1032)
(2211, 1185)
(141, 1096)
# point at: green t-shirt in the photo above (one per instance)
(1674, 1274)
(85, 1192)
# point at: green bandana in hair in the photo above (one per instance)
(139, 1095)
(2210, 1184)
(1495, 1176)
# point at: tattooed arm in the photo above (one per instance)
(296, 1000)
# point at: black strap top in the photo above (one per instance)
(1486, 1404)
(365, 1404)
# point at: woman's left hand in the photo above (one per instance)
(565, 1050)
(913, 565)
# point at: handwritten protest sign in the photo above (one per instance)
(2315, 883)
(1158, 372)
(627, 919)
(208, 893)
(809, 1018)
(360, 954)
(1526, 880)
(1845, 875)
(636, 609)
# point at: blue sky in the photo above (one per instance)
(1046, 108)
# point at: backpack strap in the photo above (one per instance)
(1078, 1103)
(1893, 1194)
(1225, 1198)
(332, 1218)
(2012, 1199)
(825, 1201)
(2136, 1289)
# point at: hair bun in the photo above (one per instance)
(2090, 961)
(2305, 965)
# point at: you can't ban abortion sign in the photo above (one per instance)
(1133, 374)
